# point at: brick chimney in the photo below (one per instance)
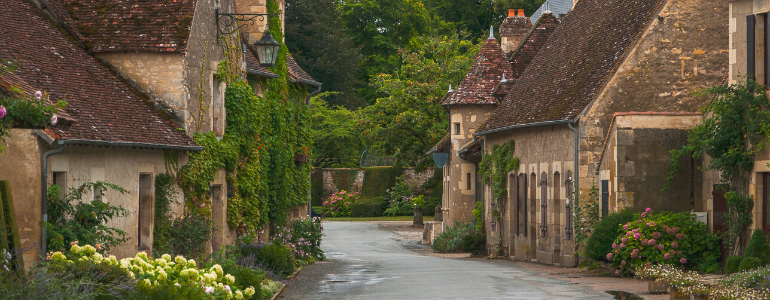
(513, 30)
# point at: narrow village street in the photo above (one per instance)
(367, 261)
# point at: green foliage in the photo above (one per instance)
(340, 204)
(451, 240)
(399, 199)
(408, 119)
(377, 180)
(758, 247)
(475, 17)
(337, 140)
(605, 232)
(586, 216)
(494, 169)
(317, 38)
(72, 218)
(369, 207)
(307, 234)
(735, 128)
(168, 291)
(44, 281)
(190, 236)
(478, 214)
(9, 236)
(670, 238)
(275, 257)
(750, 263)
(709, 265)
(475, 243)
(24, 111)
(165, 196)
(733, 264)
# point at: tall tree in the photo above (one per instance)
(316, 37)
(380, 28)
(337, 140)
(475, 16)
(409, 119)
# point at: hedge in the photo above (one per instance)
(369, 207)
(317, 187)
(379, 179)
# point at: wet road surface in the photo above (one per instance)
(368, 263)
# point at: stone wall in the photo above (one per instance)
(352, 180)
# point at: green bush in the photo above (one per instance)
(377, 180)
(710, 265)
(750, 263)
(399, 199)
(306, 235)
(190, 236)
(475, 243)
(733, 264)
(317, 187)
(451, 240)
(372, 207)
(9, 238)
(274, 257)
(606, 232)
(758, 247)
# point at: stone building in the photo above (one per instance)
(489, 79)
(138, 76)
(606, 57)
(749, 57)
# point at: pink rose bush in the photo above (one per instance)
(672, 238)
(339, 204)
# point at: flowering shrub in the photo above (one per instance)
(400, 199)
(162, 271)
(753, 284)
(306, 236)
(338, 204)
(25, 111)
(670, 238)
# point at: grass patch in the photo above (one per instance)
(386, 218)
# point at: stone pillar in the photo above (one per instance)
(417, 216)
(513, 30)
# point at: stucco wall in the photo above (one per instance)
(460, 201)
(548, 149)
(20, 164)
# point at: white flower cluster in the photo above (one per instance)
(154, 272)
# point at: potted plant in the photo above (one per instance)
(653, 275)
(700, 291)
(681, 283)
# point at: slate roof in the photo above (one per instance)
(102, 106)
(128, 25)
(557, 8)
(252, 62)
(442, 146)
(299, 75)
(523, 55)
(575, 62)
(485, 73)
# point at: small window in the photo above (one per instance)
(468, 180)
(457, 128)
(98, 193)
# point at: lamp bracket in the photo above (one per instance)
(229, 23)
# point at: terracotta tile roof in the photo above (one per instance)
(523, 55)
(103, 107)
(128, 25)
(442, 145)
(485, 73)
(300, 75)
(576, 61)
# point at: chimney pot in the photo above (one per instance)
(521, 12)
(511, 13)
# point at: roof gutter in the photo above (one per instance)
(261, 73)
(133, 145)
(308, 82)
(546, 123)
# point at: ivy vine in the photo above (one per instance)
(494, 169)
(258, 146)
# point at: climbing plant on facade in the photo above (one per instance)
(257, 150)
(494, 169)
(735, 127)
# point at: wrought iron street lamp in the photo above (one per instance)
(267, 46)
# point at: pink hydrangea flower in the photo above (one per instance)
(644, 215)
(38, 95)
(637, 235)
(54, 120)
(614, 246)
(2, 111)
(667, 256)
(209, 290)
(651, 242)
(683, 260)
(656, 235)
(622, 245)
(648, 210)
(644, 242)
(680, 236)
(625, 227)
(623, 262)
(638, 221)
(609, 256)
(624, 240)
(674, 245)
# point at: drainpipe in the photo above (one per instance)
(44, 196)
(575, 173)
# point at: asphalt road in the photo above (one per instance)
(367, 263)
